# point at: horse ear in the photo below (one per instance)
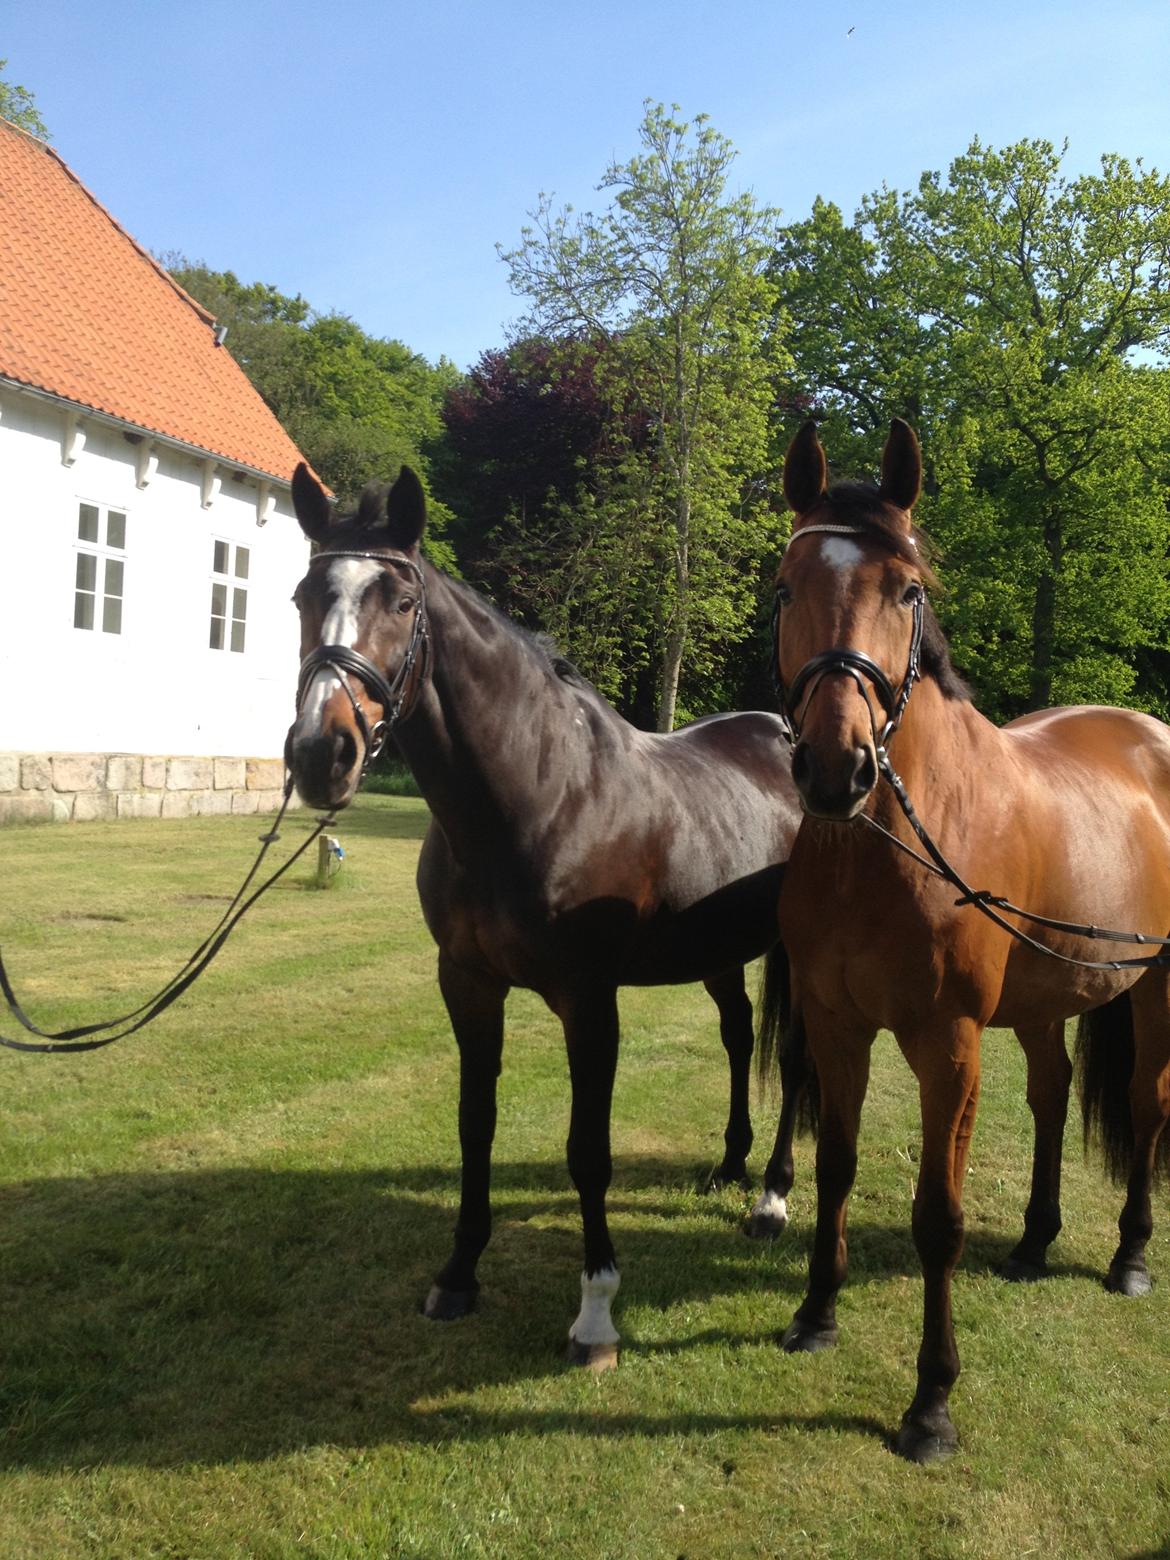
(312, 507)
(406, 510)
(901, 466)
(806, 472)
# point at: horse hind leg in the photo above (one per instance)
(475, 1004)
(1049, 1076)
(729, 995)
(1127, 1096)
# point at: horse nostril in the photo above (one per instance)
(864, 770)
(344, 754)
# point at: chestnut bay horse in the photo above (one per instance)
(568, 852)
(1064, 812)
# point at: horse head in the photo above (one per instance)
(850, 614)
(364, 639)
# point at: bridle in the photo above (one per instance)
(844, 659)
(861, 667)
(397, 697)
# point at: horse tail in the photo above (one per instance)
(1105, 1056)
(781, 1038)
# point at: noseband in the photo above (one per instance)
(844, 659)
(395, 696)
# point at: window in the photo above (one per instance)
(229, 597)
(100, 567)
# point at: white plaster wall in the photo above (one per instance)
(157, 687)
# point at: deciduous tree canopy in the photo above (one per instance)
(357, 405)
(671, 277)
(1020, 319)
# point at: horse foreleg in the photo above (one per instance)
(475, 1004)
(946, 1065)
(591, 1036)
(1149, 1104)
(1049, 1076)
(735, 1030)
(841, 1057)
(769, 1213)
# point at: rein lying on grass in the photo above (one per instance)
(92, 1037)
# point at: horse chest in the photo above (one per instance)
(875, 956)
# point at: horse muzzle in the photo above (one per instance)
(835, 788)
(326, 765)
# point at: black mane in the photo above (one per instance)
(539, 644)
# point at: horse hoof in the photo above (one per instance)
(763, 1226)
(726, 1176)
(448, 1305)
(921, 1442)
(768, 1217)
(1131, 1281)
(593, 1356)
(802, 1338)
(1017, 1270)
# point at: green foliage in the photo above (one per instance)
(671, 279)
(19, 107)
(1020, 320)
(358, 406)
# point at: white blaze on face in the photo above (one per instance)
(840, 553)
(594, 1324)
(348, 581)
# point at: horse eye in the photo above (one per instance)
(912, 593)
(406, 604)
(783, 594)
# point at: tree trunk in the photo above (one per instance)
(676, 632)
(1044, 619)
(668, 686)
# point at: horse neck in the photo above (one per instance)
(475, 741)
(940, 746)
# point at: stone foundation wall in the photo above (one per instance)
(84, 786)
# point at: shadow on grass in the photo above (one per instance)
(160, 1319)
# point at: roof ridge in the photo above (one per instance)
(204, 314)
(91, 317)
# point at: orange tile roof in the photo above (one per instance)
(86, 314)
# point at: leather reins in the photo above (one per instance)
(859, 666)
(397, 697)
(91, 1037)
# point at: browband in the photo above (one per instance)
(380, 557)
(840, 530)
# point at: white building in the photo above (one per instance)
(148, 548)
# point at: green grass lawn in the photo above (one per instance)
(215, 1238)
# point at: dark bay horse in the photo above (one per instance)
(568, 852)
(1065, 813)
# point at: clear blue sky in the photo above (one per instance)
(370, 156)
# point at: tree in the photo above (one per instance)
(358, 406)
(19, 107)
(1021, 319)
(535, 468)
(521, 428)
(670, 278)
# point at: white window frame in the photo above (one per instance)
(107, 604)
(229, 596)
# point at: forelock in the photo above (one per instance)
(861, 504)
